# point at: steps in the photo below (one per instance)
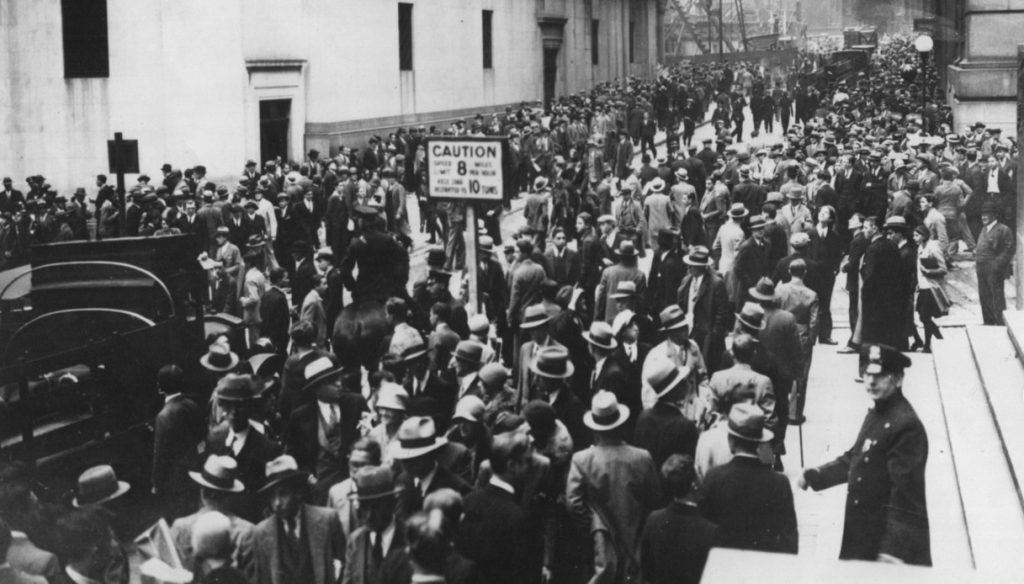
(980, 383)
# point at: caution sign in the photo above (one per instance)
(466, 168)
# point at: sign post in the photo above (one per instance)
(1018, 254)
(122, 158)
(472, 170)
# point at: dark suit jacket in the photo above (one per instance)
(320, 527)
(752, 263)
(564, 270)
(664, 431)
(133, 220)
(615, 377)
(675, 545)
(711, 309)
(782, 342)
(569, 410)
(880, 305)
(275, 318)
(858, 245)
(176, 432)
(665, 278)
(300, 435)
(410, 500)
(394, 568)
(303, 281)
(828, 250)
(494, 534)
(252, 461)
(752, 505)
(848, 190)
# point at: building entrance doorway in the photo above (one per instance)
(550, 74)
(275, 115)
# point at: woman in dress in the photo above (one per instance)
(931, 267)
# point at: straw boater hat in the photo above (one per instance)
(738, 211)
(219, 358)
(98, 485)
(417, 436)
(374, 482)
(665, 376)
(553, 363)
(757, 222)
(320, 371)
(219, 473)
(672, 318)
(698, 256)
(416, 350)
(534, 316)
(606, 413)
(283, 470)
(601, 335)
(897, 223)
(746, 422)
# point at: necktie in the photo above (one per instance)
(333, 431)
(378, 550)
(292, 528)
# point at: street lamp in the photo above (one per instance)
(924, 45)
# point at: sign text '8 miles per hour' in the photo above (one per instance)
(465, 168)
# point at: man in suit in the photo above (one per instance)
(880, 286)
(827, 250)
(994, 253)
(376, 550)
(704, 299)
(537, 324)
(886, 511)
(553, 369)
(307, 216)
(495, 532)
(676, 539)
(305, 275)
(663, 430)
(752, 261)
(536, 211)
(319, 434)
(417, 451)
(430, 393)
(848, 186)
(752, 505)
(239, 227)
(209, 219)
(275, 315)
(609, 373)
(626, 270)
(298, 542)
(524, 284)
(612, 487)
(802, 302)
(667, 272)
(898, 232)
(178, 429)
(218, 489)
(563, 262)
(851, 266)
(780, 344)
(238, 438)
(491, 284)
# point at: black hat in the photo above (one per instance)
(883, 359)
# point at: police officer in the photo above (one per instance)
(886, 514)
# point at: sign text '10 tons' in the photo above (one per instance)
(465, 169)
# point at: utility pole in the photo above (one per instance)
(721, 36)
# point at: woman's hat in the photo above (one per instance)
(219, 358)
(219, 473)
(601, 335)
(374, 482)
(665, 376)
(417, 436)
(469, 351)
(319, 371)
(606, 413)
(469, 408)
(534, 316)
(738, 211)
(698, 256)
(746, 421)
(98, 485)
(552, 363)
(281, 470)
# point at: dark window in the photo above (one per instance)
(404, 36)
(594, 45)
(488, 45)
(86, 50)
(632, 40)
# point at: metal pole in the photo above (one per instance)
(721, 35)
(924, 89)
(119, 158)
(471, 261)
(1018, 254)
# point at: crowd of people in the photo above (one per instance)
(592, 420)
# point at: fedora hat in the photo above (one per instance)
(757, 222)
(606, 413)
(469, 351)
(414, 351)
(989, 208)
(672, 318)
(283, 469)
(235, 388)
(795, 193)
(773, 198)
(746, 421)
(534, 316)
(626, 249)
(436, 258)
(763, 290)
(540, 183)
(553, 363)
(470, 408)
(738, 211)
(601, 335)
(485, 244)
(897, 223)
(657, 186)
(392, 396)
(665, 376)
(319, 371)
(219, 473)
(374, 482)
(624, 289)
(98, 485)
(219, 358)
(698, 256)
(751, 316)
(417, 436)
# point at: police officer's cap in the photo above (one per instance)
(882, 359)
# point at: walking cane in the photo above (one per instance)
(800, 431)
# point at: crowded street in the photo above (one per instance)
(677, 316)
